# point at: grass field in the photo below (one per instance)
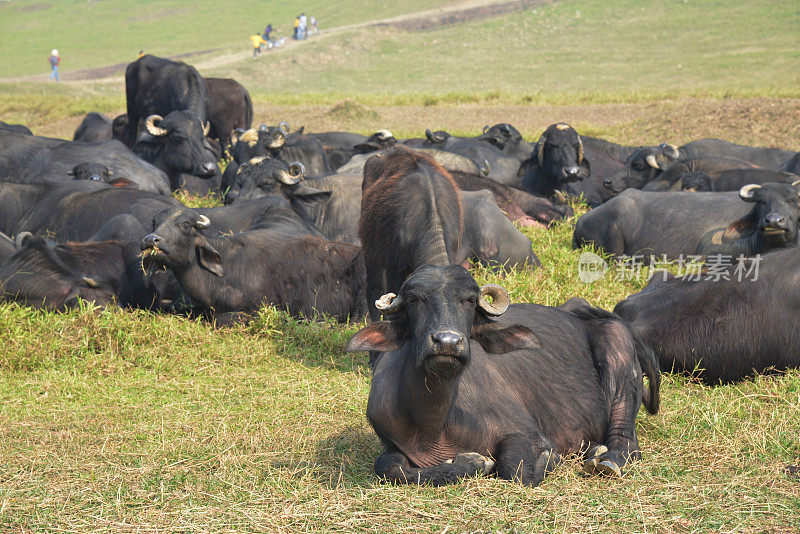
(115, 421)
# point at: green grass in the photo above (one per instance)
(97, 34)
(587, 50)
(115, 420)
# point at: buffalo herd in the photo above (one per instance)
(383, 230)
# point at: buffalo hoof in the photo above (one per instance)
(600, 461)
(546, 463)
(480, 463)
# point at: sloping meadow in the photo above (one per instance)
(127, 421)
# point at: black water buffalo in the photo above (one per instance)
(756, 220)
(31, 159)
(296, 146)
(177, 145)
(492, 162)
(48, 274)
(339, 147)
(722, 329)
(96, 172)
(508, 140)
(158, 86)
(490, 237)
(619, 152)
(411, 216)
(461, 378)
(558, 160)
(767, 158)
(519, 206)
(642, 167)
(732, 180)
(74, 211)
(94, 128)
(237, 274)
(18, 128)
(229, 107)
(735, 169)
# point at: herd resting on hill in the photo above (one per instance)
(358, 227)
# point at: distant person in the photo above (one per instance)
(314, 28)
(55, 59)
(302, 26)
(257, 42)
(296, 35)
(268, 33)
(141, 53)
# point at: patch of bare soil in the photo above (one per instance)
(462, 15)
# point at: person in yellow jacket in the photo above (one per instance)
(258, 42)
(296, 28)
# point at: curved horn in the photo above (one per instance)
(288, 179)
(206, 128)
(89, 282)
(151, 125)
(486, 169)
(796, 183)
(540, 146)
(21, 238)
(278, 140)
(499, 303)
(746, 192)
(297, 169)
(432, 137)
(580, 150)
(651, 160)
(384, 134)
(390, 304)
(284, 127)
(675, 153)
(486, 128)
(203, 222)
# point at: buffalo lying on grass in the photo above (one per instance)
(461, 377)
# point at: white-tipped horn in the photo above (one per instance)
(389, 303)
(486, 128)
(89, 282)
(151, 124)
(278, 139)
(651, 160)
(206, 128)
(746, 192)
(499, 303)
(284, 127)
(384, 134)
(203, 222)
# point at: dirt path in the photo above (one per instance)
(211, 59)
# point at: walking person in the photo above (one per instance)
(55, 59)
(302, 25)
(257, 42)
(296, 35)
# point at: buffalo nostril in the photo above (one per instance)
(608, 183)
(209, 167)
(776, 221)
(152, 240)
(572, 171)
(448, 340)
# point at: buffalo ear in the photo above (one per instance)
(209, 257)
(585, 163)
(310, 196)
(381, 336)
(497, 338)
(739, 229)
(122, 182)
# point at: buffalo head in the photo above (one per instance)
(773, 218)
(177, 144)
(559, 154)
(642, 167)
(432, 319)
(177, 243)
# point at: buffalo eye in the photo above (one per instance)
(416, 298)
(470, 301)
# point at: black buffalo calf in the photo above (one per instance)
(462, 377)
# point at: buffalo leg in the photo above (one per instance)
(526, 459)
(394, 466)
(621, 380)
